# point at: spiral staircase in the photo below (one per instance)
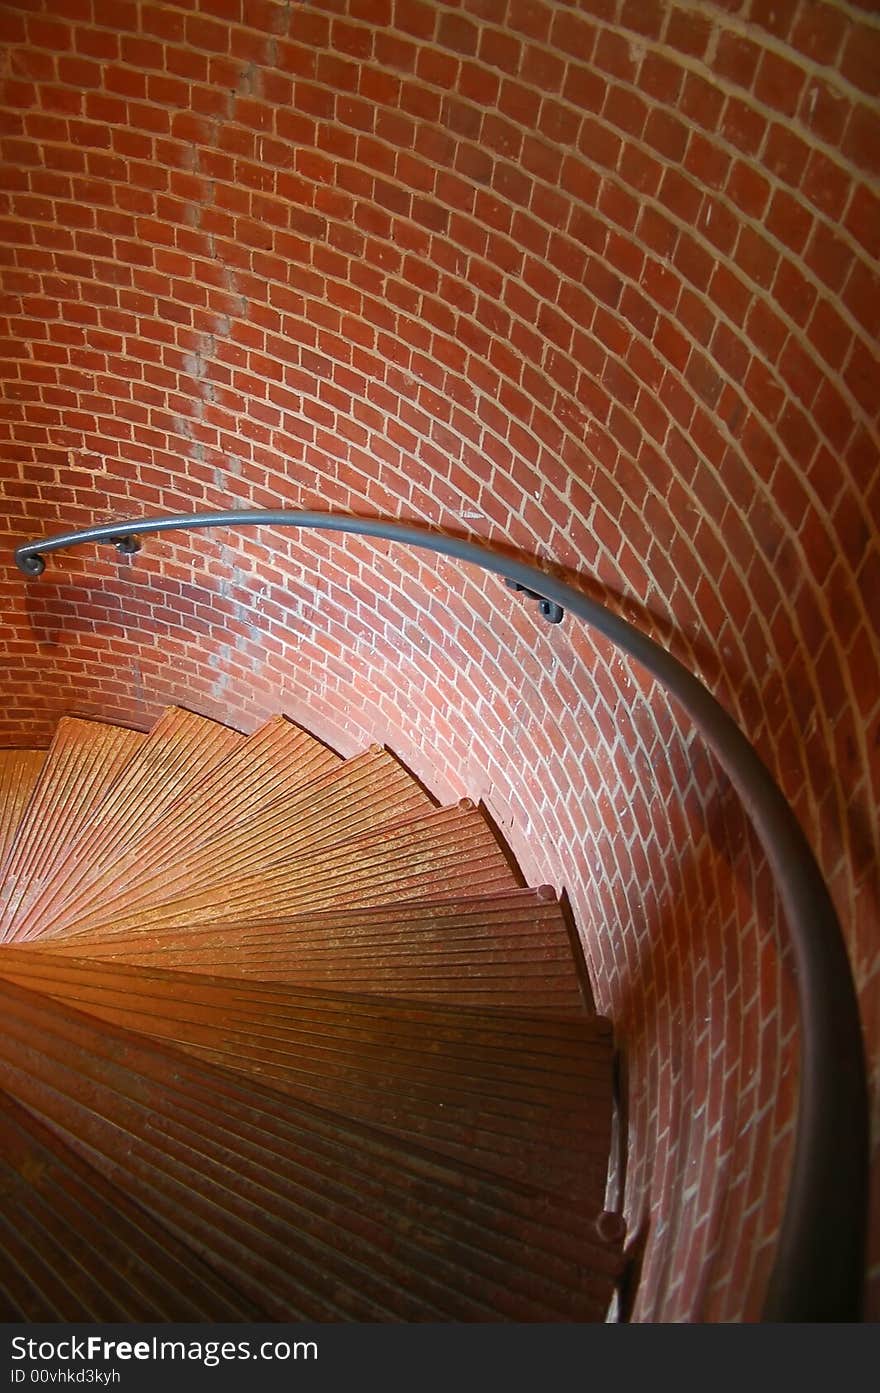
(283, 1040)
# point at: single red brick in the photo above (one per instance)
(718, 224)
(766, 330)
(541, 159)
(640, 171)
(861, 58)
(671, 343)
(666, 134)
(800, 371)
(681, 196)
(694, 262)
(789, 220)
(542, 69)
(764, 390)
(743, 126)
(642, 16)
(530, 17)
(599, 144)
(603, 283)
(828, 256)
(819, 31)
(793, 292)
(797, 433)
(625, 109)
(863, 218)
(573, 35)
(457, 33)
(558, 124)
(862, 376)
(625, 256)
(584, 88)
(830, 335)
(786, 155)
(701, 101)
(648, 368)
(826, 185)
(638, 311)
(614, 55)
(779, 83)
(862, 297)
(824, 110)
(776, 16)
(707, 161)
(862, 139)
(617, 204)
(737, 59)
(749, 189)
(689, 32)
(756, 257)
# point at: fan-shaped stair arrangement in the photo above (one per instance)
(284, 1040)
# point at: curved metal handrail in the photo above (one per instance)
(818, 1271)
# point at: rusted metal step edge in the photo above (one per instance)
(19, 771)
(178, 752)
(136, 1270)
(352, 1155)
(82, 763)
(359, 796)
(328, 1244)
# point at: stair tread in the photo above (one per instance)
(19, 771)
(502, 951)
(82, 763)
(443, 853)
(357, 796)
(179, 751)
(517, 1095)
(311, 1212)
(53, 1206)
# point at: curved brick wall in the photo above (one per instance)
(594, 279)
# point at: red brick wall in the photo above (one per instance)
(594, 279)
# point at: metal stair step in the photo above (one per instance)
(311, 1214)
(448, 852)
(501, 951)
(19, 771)
(83, 761)
(74, 1247)
(177, 753)
(519, 1096)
